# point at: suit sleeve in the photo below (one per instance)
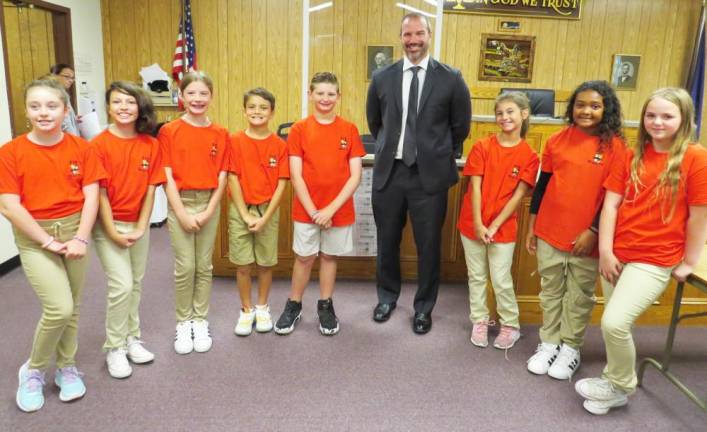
(373, 109)
(460, 113)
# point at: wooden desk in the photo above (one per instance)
(698, 279)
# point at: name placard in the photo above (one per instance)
(561, 9)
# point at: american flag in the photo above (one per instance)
(185, 38)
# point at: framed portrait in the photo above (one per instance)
(506, 58)
(508, 26)
(377, 57)
(624, 71)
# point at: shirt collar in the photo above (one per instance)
(407, 64)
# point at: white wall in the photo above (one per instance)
(87, 38)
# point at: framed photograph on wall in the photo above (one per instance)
(507, 58)
(624, 71)
(377, 57)
(508, 26)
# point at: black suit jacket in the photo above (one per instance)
(443, 120)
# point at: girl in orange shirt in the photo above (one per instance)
(49, 192)
(503, 168)
(563, 223)
(194, 155)
(131, 158)
(653, 225)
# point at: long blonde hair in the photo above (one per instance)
(669, 181)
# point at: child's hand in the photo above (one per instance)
(122, 241)
(201, 218)
(531, 242)
(257, 225)
(323, 217)
(75, 249)
(189, 223)
(610, 267)
(57, 247)
(490, 233)
(134, 236)
(481, 233)
(584, 243)
(682, 271)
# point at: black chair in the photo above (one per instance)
(542, 101)
(283, 130)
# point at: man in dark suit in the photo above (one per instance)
(419, 112)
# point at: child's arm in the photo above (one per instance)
(144, 216)
(187, 221)
(76, 247)
(234, 185)
(609, 266)
(105, 216)
(479, 227)
(300, 186)
(695, 237)
(510, 207)
(274, 204)
(323, 218)
(12, 208)
(203, 217)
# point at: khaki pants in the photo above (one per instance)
(567, 294)
(500, 259)
(125, 269)
(639, 285)
(193, 257)
(246, 247)
(58, 283)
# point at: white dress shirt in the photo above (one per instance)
(407, 80)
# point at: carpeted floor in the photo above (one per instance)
(370, 377)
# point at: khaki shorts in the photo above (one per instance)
(246, 247)
(310, 239)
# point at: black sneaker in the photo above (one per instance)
(328, 324)
(292, 313)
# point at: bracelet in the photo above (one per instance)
(48, 242)
(84, 241)
(594, 230)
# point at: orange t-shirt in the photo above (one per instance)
(325, 150)
(131, 165)
(574, 193)
(641, 234)
(49, 179)
(259, 165)
(196, 154)
(502, 168)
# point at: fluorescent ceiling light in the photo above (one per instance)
(432, 2)
(412, 9)
(321, 6)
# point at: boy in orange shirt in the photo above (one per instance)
(258, 173)
(325, 168)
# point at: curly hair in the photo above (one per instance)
(611, 120)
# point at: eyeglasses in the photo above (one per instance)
(69, 77)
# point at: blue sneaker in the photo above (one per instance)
(30, 393)
(68, 379)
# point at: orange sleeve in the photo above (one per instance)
(226, 162)
(165, 145)
(94, 166)
(294, 140)
(234, 157)
(547, 155)
(618, 173)
(697, 179)
(100, 153)
(530, 170)
(157, 175)
(283, 162)
(8, 172)
(357, 149)
(476, 161)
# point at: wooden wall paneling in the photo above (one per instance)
(15, 70)
(294, 61)
(41, 41)
(107, 40)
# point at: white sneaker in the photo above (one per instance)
(601, 395)
(183, 343)
(202, 338)
(545, 355)
(245, 323)
(263, 319)
(137, 353)
(117, 361)
(566, 364)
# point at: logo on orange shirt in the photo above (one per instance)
(144, 164)
(272, 161)
(343, 144)
(515, 171)
(214, 150)
(74, 168)
(597, 158)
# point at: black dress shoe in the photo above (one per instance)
(422, 323)
(382, 311)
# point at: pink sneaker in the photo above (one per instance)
(480, 333)
(507, 337)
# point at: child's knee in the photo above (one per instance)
(305, 260)
(244, 270)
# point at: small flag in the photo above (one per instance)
(185, 51)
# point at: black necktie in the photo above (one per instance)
(409, 144)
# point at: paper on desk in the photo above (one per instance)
(89, 126)
(153, 73)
